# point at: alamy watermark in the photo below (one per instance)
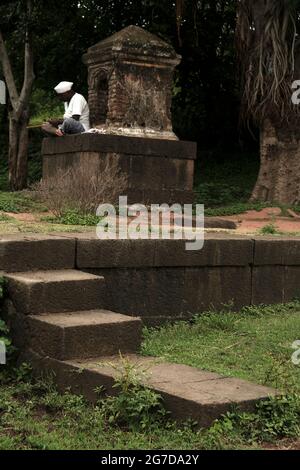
(296, 355)
(159, 221)
(296, 93)
(2, 353)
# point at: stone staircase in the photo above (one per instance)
(59, 320)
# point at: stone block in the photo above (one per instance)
(35, 252)
(282, 252)
(84, 334)
(55, 291)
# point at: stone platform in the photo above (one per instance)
(155, 171)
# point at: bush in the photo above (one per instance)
(81, 190)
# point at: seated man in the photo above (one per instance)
(76, 117)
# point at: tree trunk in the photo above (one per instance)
(19, 115)
(279, 176)
(17, 156)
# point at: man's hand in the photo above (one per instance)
(55, 122)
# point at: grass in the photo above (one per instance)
(34, 416)
(254, 344)
(72, 217)
(17, 202)
(235, 208)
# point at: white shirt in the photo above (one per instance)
(78, 106)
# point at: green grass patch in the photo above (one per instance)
(5, 218)
(18, 202)
(254, 344)
(237, 208)
(73, 217)
(269, 229)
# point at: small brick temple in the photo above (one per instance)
(130, 76)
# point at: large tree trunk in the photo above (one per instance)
(18, 150)
(279, 175)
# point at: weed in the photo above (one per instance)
(269, 229)
(136, 406)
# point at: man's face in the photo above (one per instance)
(65, 96)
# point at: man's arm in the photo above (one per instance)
(55, 122)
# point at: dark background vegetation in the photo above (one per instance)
(206, 90)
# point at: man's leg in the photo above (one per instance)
(71, 126)
(49, 130)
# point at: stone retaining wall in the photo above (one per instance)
(160, 280)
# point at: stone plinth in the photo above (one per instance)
(130, 78)
(154, 170)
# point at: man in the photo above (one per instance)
(77, 116)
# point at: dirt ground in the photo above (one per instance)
(251, 222)
(285, 444)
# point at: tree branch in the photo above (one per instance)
(28, 65)
(8, 74)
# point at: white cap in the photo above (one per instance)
(63, 87)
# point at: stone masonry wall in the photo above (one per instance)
(158, 279)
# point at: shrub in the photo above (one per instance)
(81, 190)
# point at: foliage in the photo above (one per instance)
(136, 406)
(225, 179)
(73, 217)
(274, 418)
(44, 106)
(5, 335)
(269, 229)
(19, 202)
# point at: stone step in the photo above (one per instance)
(55, 291)
(84, 334)
(36, 252)
(187, 392)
